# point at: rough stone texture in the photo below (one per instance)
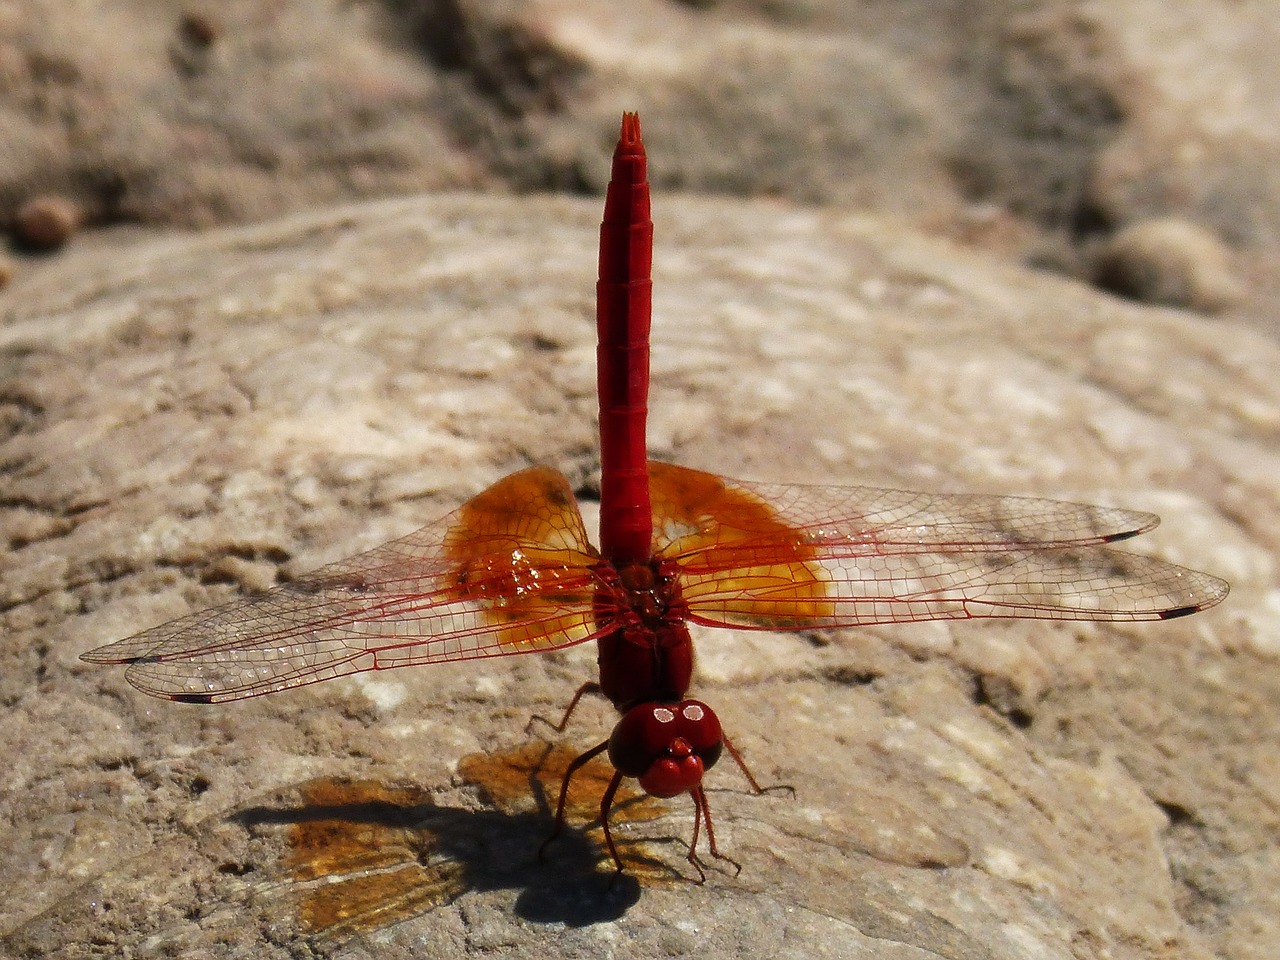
(119, 106)
(189, 417)
(186, 418)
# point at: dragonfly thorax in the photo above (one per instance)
(650, 591)
(649, 656)
(666, 746)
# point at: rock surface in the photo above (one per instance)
(190, 417)
(1170, 262)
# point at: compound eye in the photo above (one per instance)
(666, 746)
(698, 724)
(642, 736)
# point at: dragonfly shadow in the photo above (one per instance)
(361, 855)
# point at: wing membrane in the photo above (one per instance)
(793, 558)
(510, 572)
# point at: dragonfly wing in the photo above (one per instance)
(794, 558)
(510, 572)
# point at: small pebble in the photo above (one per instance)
(199, 29)
(46, 223)
(1170, 262)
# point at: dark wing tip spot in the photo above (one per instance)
(192, 698)
(1126, 535)
(1177, 612)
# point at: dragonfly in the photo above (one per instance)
(513, 571)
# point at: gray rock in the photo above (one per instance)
(190, 417)
(1169, 262)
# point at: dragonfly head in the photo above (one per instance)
(666, 746)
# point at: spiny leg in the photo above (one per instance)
(693, 843)
(606, 804)
(578, 762)
(746, 772)
(702, 811)
(589, 687)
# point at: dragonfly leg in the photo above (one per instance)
(590, 687)
(746, 772)
(698, 805)
(702, 814)
(606, 804)
(573, 768)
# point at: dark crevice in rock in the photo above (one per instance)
(999, 695)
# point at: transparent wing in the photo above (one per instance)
(510, 572)
(794, 558)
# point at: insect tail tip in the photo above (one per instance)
(630, 133)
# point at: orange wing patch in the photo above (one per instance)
(520, 551)
(738, 560)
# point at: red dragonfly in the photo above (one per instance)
(512, 571)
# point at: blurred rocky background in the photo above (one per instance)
(1133, 144)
